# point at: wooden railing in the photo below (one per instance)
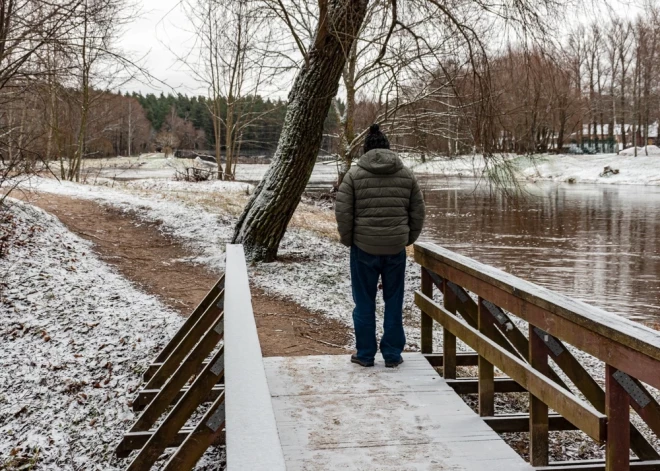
(252, 439)
(485, 297)
(214, 361)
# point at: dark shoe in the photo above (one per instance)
(357, 361)
(393, 364)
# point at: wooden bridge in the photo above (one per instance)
(210, 384)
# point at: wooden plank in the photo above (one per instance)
(252, 439)
(152, 368)
(649, 413)
(592, 391)
(136, 440)
(520, 423)
(333, 415)
(145, 396)
(471, 385)
(467, 308)
(579, 413)
(180, 377)
(617, 406)
(598, 465)
(191, 320)
(538, 410)
(462, 359)
(634, 335)
(205, 433)
(426, 340)
(186, 345)
(486, 372)
(626, 345)
(167, 430)
(514, 335)
(449, 339)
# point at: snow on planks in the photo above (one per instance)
(333, 415)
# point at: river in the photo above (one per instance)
(597, 243)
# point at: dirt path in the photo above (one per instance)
(157, 263)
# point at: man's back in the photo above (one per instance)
(380, 207)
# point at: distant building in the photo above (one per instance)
(604, 133)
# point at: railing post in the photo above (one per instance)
(448, 339)
(486, 372)
(617, 409)
(427, 321)
(538, 411)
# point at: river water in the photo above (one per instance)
(597, 243)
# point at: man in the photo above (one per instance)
(379, 210)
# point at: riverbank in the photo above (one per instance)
(640, 170)
(312, 269)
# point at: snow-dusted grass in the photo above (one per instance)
(313, 269)
(74, 339)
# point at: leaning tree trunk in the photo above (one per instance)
(266, 216)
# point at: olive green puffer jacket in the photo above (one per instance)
(380, 207)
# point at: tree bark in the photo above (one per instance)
(264, 220)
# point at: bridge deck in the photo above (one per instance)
(333, 415)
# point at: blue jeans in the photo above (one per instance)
(365, 270)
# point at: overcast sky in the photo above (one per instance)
(161, 24)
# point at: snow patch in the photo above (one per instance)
(74, 339)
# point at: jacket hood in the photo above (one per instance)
(380, 161)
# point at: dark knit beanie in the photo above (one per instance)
(375, 139)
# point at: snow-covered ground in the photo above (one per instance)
(157, 166)
(313, 271)
(75, 337)
(640, 170)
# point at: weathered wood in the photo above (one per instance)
(598, 465)
(462, 359)
(205, 433)
(467, 308)
(191, 320)
(426, 340)
(145, 396)
(513, 335)
(617, 406)
(187, 343)
(486, 373)
(332, 415)
(449, 339)
(152, 368)
(167, 430)
(136, 440)
(253, 442)
(579, 413)
(649, 413)
(626, 345)
(471, 385)
(637, 336)
(596, 396)
(520, 423)
(538, 410)
(180, 377)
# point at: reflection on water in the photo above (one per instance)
(597, 243)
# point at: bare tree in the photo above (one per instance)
(264, 220)
(228, 57)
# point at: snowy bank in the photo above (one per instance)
(640, 170)
(75, 337)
